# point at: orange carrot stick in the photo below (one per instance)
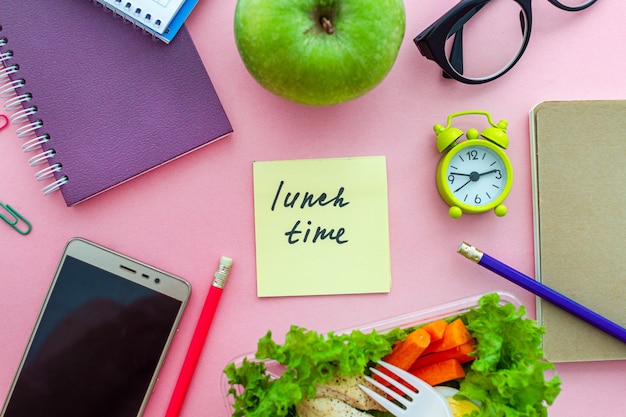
(461, 353)
(455, 335)
(436, 329)
(406, 352)
(440, 372)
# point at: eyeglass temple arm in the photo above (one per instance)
(456, 52)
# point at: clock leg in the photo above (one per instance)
(455, 212)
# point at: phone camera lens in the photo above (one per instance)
(157, 280)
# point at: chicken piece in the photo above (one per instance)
(347, 390)
(327, 407)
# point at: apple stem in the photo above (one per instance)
(327, 25)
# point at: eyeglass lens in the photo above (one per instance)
(487, 40)
(573, 4)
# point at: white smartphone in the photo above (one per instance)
(100, 339)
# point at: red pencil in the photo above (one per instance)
(199, 337)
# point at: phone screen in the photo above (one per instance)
(98, 344)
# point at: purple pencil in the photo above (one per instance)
(540, 290)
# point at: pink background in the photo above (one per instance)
(185, 215)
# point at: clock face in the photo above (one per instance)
(476, 175)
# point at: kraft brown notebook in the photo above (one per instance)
(579, 188)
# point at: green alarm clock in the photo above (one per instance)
(475, 175)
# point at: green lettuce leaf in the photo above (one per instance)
(310, 359)
(508, 374)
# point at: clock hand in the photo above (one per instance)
(458, 189)
(488, 172)
(473, 176)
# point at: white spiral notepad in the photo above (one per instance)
(162, 18)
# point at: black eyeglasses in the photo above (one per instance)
(480, 40)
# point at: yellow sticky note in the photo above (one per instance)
(322, 226)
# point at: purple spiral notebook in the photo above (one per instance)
(96, 101)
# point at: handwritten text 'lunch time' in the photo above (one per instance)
(309, 233)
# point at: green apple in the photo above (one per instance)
(319, 52)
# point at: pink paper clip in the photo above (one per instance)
(4, 121)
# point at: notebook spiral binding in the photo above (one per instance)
(145, 28)
(17, 104)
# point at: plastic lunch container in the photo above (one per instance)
(408, 320)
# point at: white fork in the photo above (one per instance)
(426, 402)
